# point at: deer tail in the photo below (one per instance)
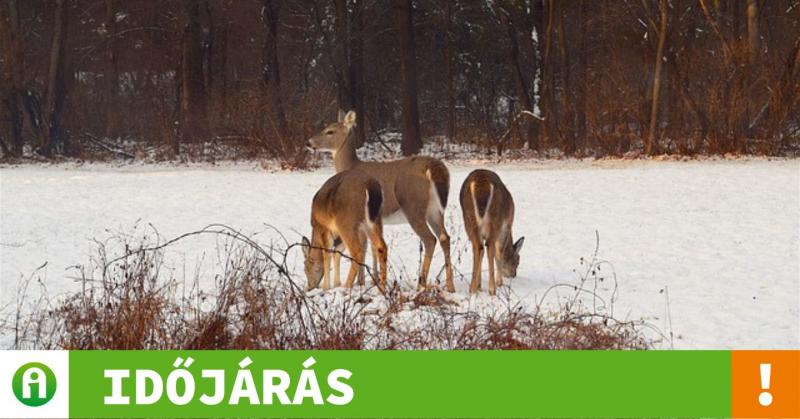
(440, 177)
(374, 199)
(482, 195)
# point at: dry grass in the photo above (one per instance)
(132, 302)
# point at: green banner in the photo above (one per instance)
(399, 384)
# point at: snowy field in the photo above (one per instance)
(719, 238)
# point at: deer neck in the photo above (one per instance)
(345, 157)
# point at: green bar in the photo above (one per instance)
(433, 384)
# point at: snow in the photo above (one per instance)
(706, 250)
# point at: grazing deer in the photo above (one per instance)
(414, 189)
(488, 217)
(347, 208)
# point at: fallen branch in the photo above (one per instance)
(96, 141)
(514, 123)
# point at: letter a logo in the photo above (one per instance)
(34, 384)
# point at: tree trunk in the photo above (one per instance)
(112, 70)
(349, 61)
(223, 66)
(340, 54)
(11, 76)
(209, 37)
(519, 81)
(735, 13)
(566, 91)
(53, 137)
(356, 68)
(448, 65)
(193, 108)
(549, 109)
(662, 37)
(752, 30)
(582, 76)
(412, 141)
(535, 25)
(271, 74)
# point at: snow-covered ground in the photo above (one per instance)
(720, 238)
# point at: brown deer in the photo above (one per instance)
(414, 189)
(347, 208)
(488, 217)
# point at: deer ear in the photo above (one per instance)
(350, 119)
(306, 245)
(518, 245)
(340, 117)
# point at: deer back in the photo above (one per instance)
(487, 205)
(417, 175)
(346, 200)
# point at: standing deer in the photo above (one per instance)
(347, 208)
(414, 189)
(488, 217)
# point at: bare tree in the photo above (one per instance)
(508, 13)
(582, 84)
(193, 99)
(271, 74)
(536, 23)
(719, 72)
(656, 95)
(568, 135)
(447, 53)
(112, 71)
(548, 94)
(356, 67)
(11, 77)
(412, 140)
(752, 29)
(53, 137)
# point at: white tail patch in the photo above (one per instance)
(434, 203)
(367, 220)
(483, 221)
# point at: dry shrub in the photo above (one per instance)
(256, 304)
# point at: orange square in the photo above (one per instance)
(781, 398)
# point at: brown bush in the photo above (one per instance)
(255, 304)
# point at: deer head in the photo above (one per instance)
(334, 135)
(508, 258)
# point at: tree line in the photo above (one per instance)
(605, 77)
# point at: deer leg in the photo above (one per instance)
(490, 253)
(326, 267)
(499, 275)
(374, 256)
(362, 238)
(374, 271)
(428, 241)
(380, 253)
(437, 224)
(355, 247)
(499, 278)
(337, 260)
(477, 262)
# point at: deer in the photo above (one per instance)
(345, 212)
(415, 189)
(488, 211)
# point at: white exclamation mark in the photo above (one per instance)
(765, 398)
